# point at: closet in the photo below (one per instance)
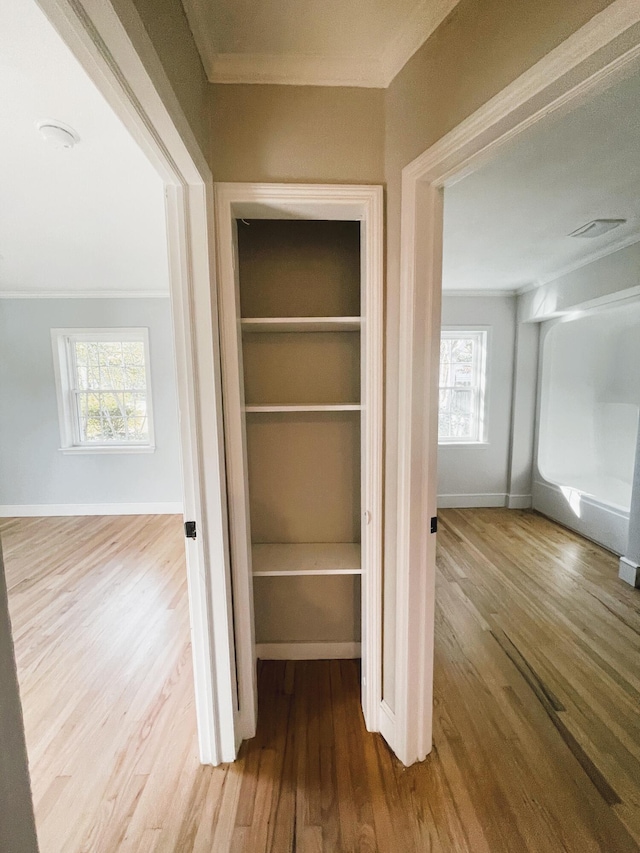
(302, 401)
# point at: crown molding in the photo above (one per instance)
(493, 294)
(316, 70)
(584, 261)
(295, 70)
(84, 294)
(412, 34)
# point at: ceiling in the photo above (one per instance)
(87, 219)
(311, 42)
(506, 225)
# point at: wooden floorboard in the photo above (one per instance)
(536, 719)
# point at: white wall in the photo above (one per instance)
(478, 475)
(34, 473)
(588, 422)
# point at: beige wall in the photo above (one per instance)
(297, 133)
(168, 29)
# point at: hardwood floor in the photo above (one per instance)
(537, 730)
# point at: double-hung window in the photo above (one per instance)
(463, 356)
(104, 389)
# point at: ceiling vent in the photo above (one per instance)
(58, 134)
(597, 228)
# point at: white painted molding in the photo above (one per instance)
(111, 43)
(314, 70)
(308, 651)
(561, 79)
(84, 294)
(387, 721)
(480, 294)
(519, 501)
(629, 572)
(463, 149)
(478, 500)
(585, 261)
(424, 20)
(295, 70)
(45, 510)
(306, 201)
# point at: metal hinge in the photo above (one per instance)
(434, 524)
(190, 529)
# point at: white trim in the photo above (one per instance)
(475, 294)
(387, 721)
(308, 201)
(84, 294)
(560, 79)
(44, 510)
(307, 651)
(584, 261)
(489, 499)
(317, 70)
(295, 70)
(118, 55)
(519, 501)
(629, 572)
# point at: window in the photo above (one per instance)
(462, 380)
(104, 389)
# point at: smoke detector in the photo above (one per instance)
(597, 228)
(58, 134)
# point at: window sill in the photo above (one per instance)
(121, 448)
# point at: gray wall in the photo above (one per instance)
(33, 470)
(478, 474)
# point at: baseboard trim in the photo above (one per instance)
(462, 501)
(387, 723)
(307, 651)
(519, 501)
(37, 510)
(629, 572)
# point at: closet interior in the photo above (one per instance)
(299, 299)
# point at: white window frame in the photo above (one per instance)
(61, 340)
(479, 383)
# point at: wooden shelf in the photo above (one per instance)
(325, 558)
(300, 324)
(306, 407)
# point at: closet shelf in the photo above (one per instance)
(324, 558)
(305, 407)
(300, 324)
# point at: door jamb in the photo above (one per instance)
(306, 201)
(128, 73)
(569, 74)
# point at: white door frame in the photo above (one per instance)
(586, 61)
(128, 73)
(304, 201)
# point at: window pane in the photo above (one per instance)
(462, 402)
(111, 393)
(462, 350)
(461, 383)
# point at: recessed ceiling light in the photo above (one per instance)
(597, 227)
(58, 134)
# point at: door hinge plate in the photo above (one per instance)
(190, 529)
(434, 524)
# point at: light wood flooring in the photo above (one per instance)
(537, 689)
